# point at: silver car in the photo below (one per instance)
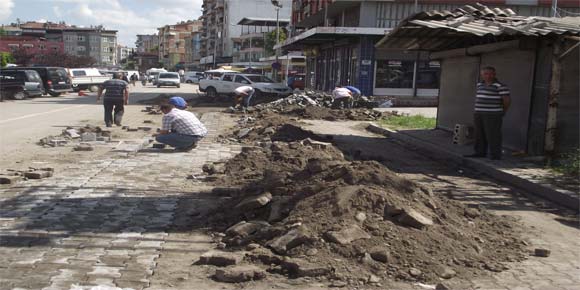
(168, 79)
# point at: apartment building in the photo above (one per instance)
(123, 52)
(339, 37)
(172, 42)
(147, 43)
(221, 34)
(192, 49)
(249, 48)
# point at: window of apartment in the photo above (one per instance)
(81, 38)
(104, 39)
(104, 58)
(94, 48)
(80, 48)
(13, 46)
(42, 46)
(27, 45)
(55, 48)
(111, 50)
(105, 49)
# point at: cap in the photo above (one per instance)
(178, 102)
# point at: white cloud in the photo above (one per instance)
(56, 11)
(6, 9)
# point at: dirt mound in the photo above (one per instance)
(302, 209)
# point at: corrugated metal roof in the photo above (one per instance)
(474, 23)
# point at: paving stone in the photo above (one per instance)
(220, 259)
(347, 235)
(291, 239)
(413, 218)
(303, 268)
(237, 274)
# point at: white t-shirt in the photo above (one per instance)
(339, 93)
(244, 90)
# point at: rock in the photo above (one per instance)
(144, 128)
(291, 239)
(208, 168)
(316, 144)
(83, 147)
(373, 279)
(254, 202)
(415, 272)
(10, 179)
(311, 252)
(303, 268)
(57, 142)
(102, 138)
(539, 252)
(244, 229)
(347, 235)
(106, 133)
(361, 217)
(158, 145)
(472, 213)
(131, 129)
(148, 121)
(442, 286)
(237, 274)
(392, 210)
(73, 133)
(338, 284)
(446, 272)
(265, 256)
(276, 208)
(366, 259)
(381, 255)
(244, 132)
(252, 246)
(221, 245)
(37, 174)
(269, 131)
(89, 137)
(413, 218)
(219, 258)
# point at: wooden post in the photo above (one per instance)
(552, 117)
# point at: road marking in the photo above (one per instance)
(40, 114)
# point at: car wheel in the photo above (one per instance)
(188, 82)
(211, 92)
(54, 94)
(19, 96)
(93, 88)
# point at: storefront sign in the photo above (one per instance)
(366, 62)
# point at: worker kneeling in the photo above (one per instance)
(180, 129)
(342, 98)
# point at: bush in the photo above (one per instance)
(569, 163)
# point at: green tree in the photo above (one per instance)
(2, 31)
(5, 58)
(271, 41)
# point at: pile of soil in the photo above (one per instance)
(299, 207)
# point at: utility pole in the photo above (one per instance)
(278, 5)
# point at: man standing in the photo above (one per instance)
(243, 96)
(180, 129)
(116, 96)
(491, 103)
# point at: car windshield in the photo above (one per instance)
(260, 79)
(168, 76)
(57, 74)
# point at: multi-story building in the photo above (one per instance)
(147, 43)
(250, 46)
(192, 49)
(339, 40)
(38, 39)
(95, 42)
(172, 42)
(123, 52)
(145, 61)
(221, 32)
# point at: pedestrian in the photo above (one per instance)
(342, 98)
(180, 129)
(134, 79)
(178, 102)
(492, 101)
(124, 77)
(243, 96)
(115, 98)
(143, 79)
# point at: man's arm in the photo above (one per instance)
(506, 102)
(126, 96)
(99, 93)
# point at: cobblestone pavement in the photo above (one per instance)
(546, 226)
(110, 222)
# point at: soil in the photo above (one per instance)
(319, 192)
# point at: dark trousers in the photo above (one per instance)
(113, 105)
(488, 134)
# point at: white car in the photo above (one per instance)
(168, 79)
(193, 77)
(263, 85)
(86, 78)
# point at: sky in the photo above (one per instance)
(129, 17)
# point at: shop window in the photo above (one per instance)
(428, 74)
(395, 74)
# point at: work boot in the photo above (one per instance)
(118, 117)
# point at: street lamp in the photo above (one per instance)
(278, 5)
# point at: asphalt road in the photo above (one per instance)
(22, 123)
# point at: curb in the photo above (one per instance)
(561, 197)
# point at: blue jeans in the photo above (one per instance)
(178, 140)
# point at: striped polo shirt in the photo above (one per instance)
(489, 98)
(114, 89)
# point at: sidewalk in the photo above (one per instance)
(517, 171)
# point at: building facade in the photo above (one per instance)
(172, 42)
(192, 48)
(123, 52)
(249, 48)
(221, 32)
(339, 38)
(147, 43)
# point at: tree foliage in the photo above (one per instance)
(271, 40)
(6, 58)
(24, 58)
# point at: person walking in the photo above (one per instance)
(492, 101)
(243, 96)
(115, 98)
(180, 129)
(134, 79)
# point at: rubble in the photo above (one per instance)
(219, 258)
(238, 274)
(539, 252)
(88, 133)
(38, 174)
(10, 179)
(83, 147)
(347, 235)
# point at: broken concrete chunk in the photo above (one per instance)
(38, 174)
(472, 213)
(414, 219)
(131, 129)
(219, 258)
(238, 274)
(73, 133)
(446, 272)
(83, 147)
(158, 145)
(291, 239)
(347, 235)
(361, 217)
(269, 131)
(255, 201)
(145, 128)
(539, 252)
(392, 210)
(303, 268)
(276, 209)
(316, 144)
(10, 179)
(244, 132)
(380, 254)
(89, 137)
(244, 229)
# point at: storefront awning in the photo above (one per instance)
(321, 35)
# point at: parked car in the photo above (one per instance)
(33, 86)
(168, 79)
(226, 85)
(152, 73)
(87, 78)
(193, 77)
(11, 88)
(54, 79)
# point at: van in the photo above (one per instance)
(33, 86)
(54, 79)
(193, 77)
